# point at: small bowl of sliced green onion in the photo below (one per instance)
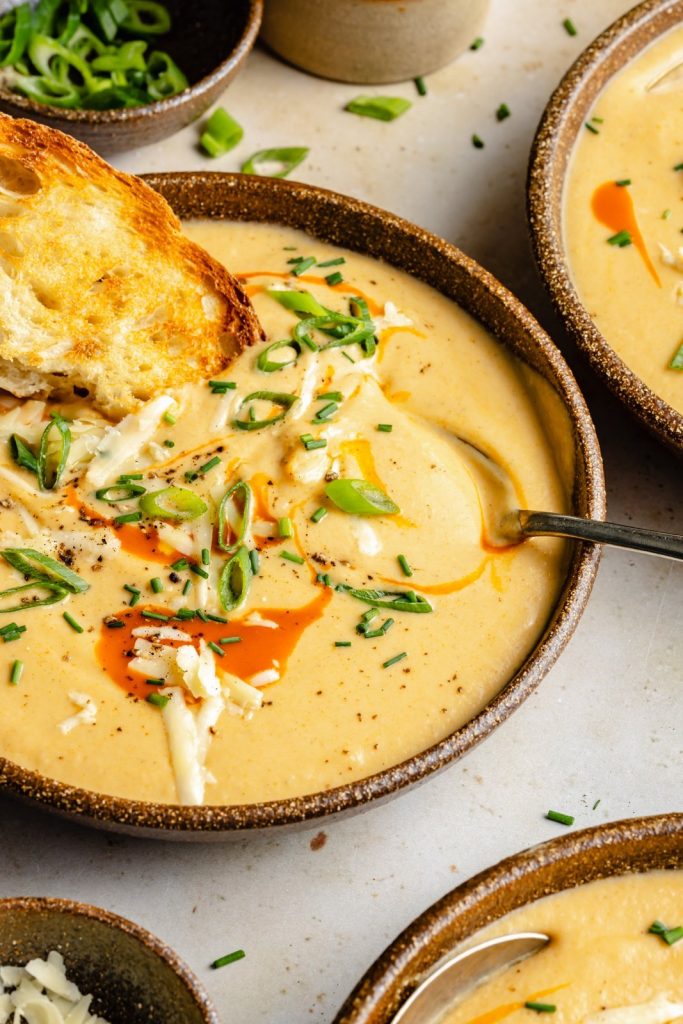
(118, 74)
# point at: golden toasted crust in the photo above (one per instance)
(99, 289)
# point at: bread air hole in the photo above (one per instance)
(18, 179)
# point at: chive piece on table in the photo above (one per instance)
(403, 562)
(477, 142)
(502, 112)
(569, 27)
(563, 819)
(16, 672)
(221, 133)
(229, 958)
(284, 159)
(421, 86)
(477, 43)
(292, 557)
(76, 626)
(541, 1007)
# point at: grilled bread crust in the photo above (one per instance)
(100, 292)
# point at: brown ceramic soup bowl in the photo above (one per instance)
(348, 222)
(618, 848)
(209, 40)
(563, 119)
(133, 976)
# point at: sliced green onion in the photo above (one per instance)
(421, 86)
(298, 302)
(677, 359)
(395, 600)
(285, 159)
(355, 330)
(22, 453)
(221, 133)
(159, 700)
(164, 77)
(291, 556)
(235, 580)
(393, 661)
(76, 626)
(50, 469)
(284, 401)
(43, 569)
(242, 489)
(268, 365)
(360, 498)
(55, 595)
(147, 18)
(177, 504)
(229, 958)
(563, 819)
(383, 108)
(122, 492)
(17, 23)
(16, 672)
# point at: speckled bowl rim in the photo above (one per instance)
(305, 206)
(26, 107)
(20, 904)
(550, 154)
(616, 848)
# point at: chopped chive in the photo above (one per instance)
(623, 182)
(324, 414)
(342, 643)
(595, 805)
(403, 562)
(217, 618)
(187, 587)
(541, 1007)
(129, 517)
(350, 358)
(369, 615)
(230, 958)
(156, 585)
(292, 557)
(621, 239)
(319, 514)
(332, 396)
(169, 444)
(678, 167)
(206, 556)
(215, 648)
(563, 819)
(303, 265)
(230, 640)
(215, 461)
(477, 43)
(16, 672)
(11, 628)
(158, 699)
(666, 214)
(76, 626)
(255, 561)
(385, 428)
(337, 262)
(502, 112)
(570, 29)
(125, 478)
(153, 615)
(677, 360)
(184, 614)
(285, 527)
(598, 120)
(396, 658)
(224, 385)
(668, 935)
(169, 418)
(477, 142)
(295, 259)
(591, 128)
(134, 592)
(111, 622)
(657, 928)
(155, 682)
(310, 443)
(421, 86)
(181, 564)
(335, 278)
(198, 571)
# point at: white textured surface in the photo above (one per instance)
(606, 722)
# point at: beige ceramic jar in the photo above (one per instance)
(371, 41)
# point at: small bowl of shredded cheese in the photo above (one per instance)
(70, 963)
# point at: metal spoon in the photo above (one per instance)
(464, 971)
(524, 523)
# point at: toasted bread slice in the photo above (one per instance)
(100, 293)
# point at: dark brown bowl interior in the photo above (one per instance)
(356, 225)
(623, 847)
(209, 40)
(560, 125)
(134, 977)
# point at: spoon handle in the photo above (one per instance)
(538, 524)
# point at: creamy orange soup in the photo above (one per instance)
(603, 964)
(623, 216)
(270, 628)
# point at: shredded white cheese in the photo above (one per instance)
(41, 993)
(658, 1011)
(392, 317)
(86, 716)
(123, 443)
(269, 675)
(256, 619)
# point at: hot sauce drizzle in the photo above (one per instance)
(613, 206)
